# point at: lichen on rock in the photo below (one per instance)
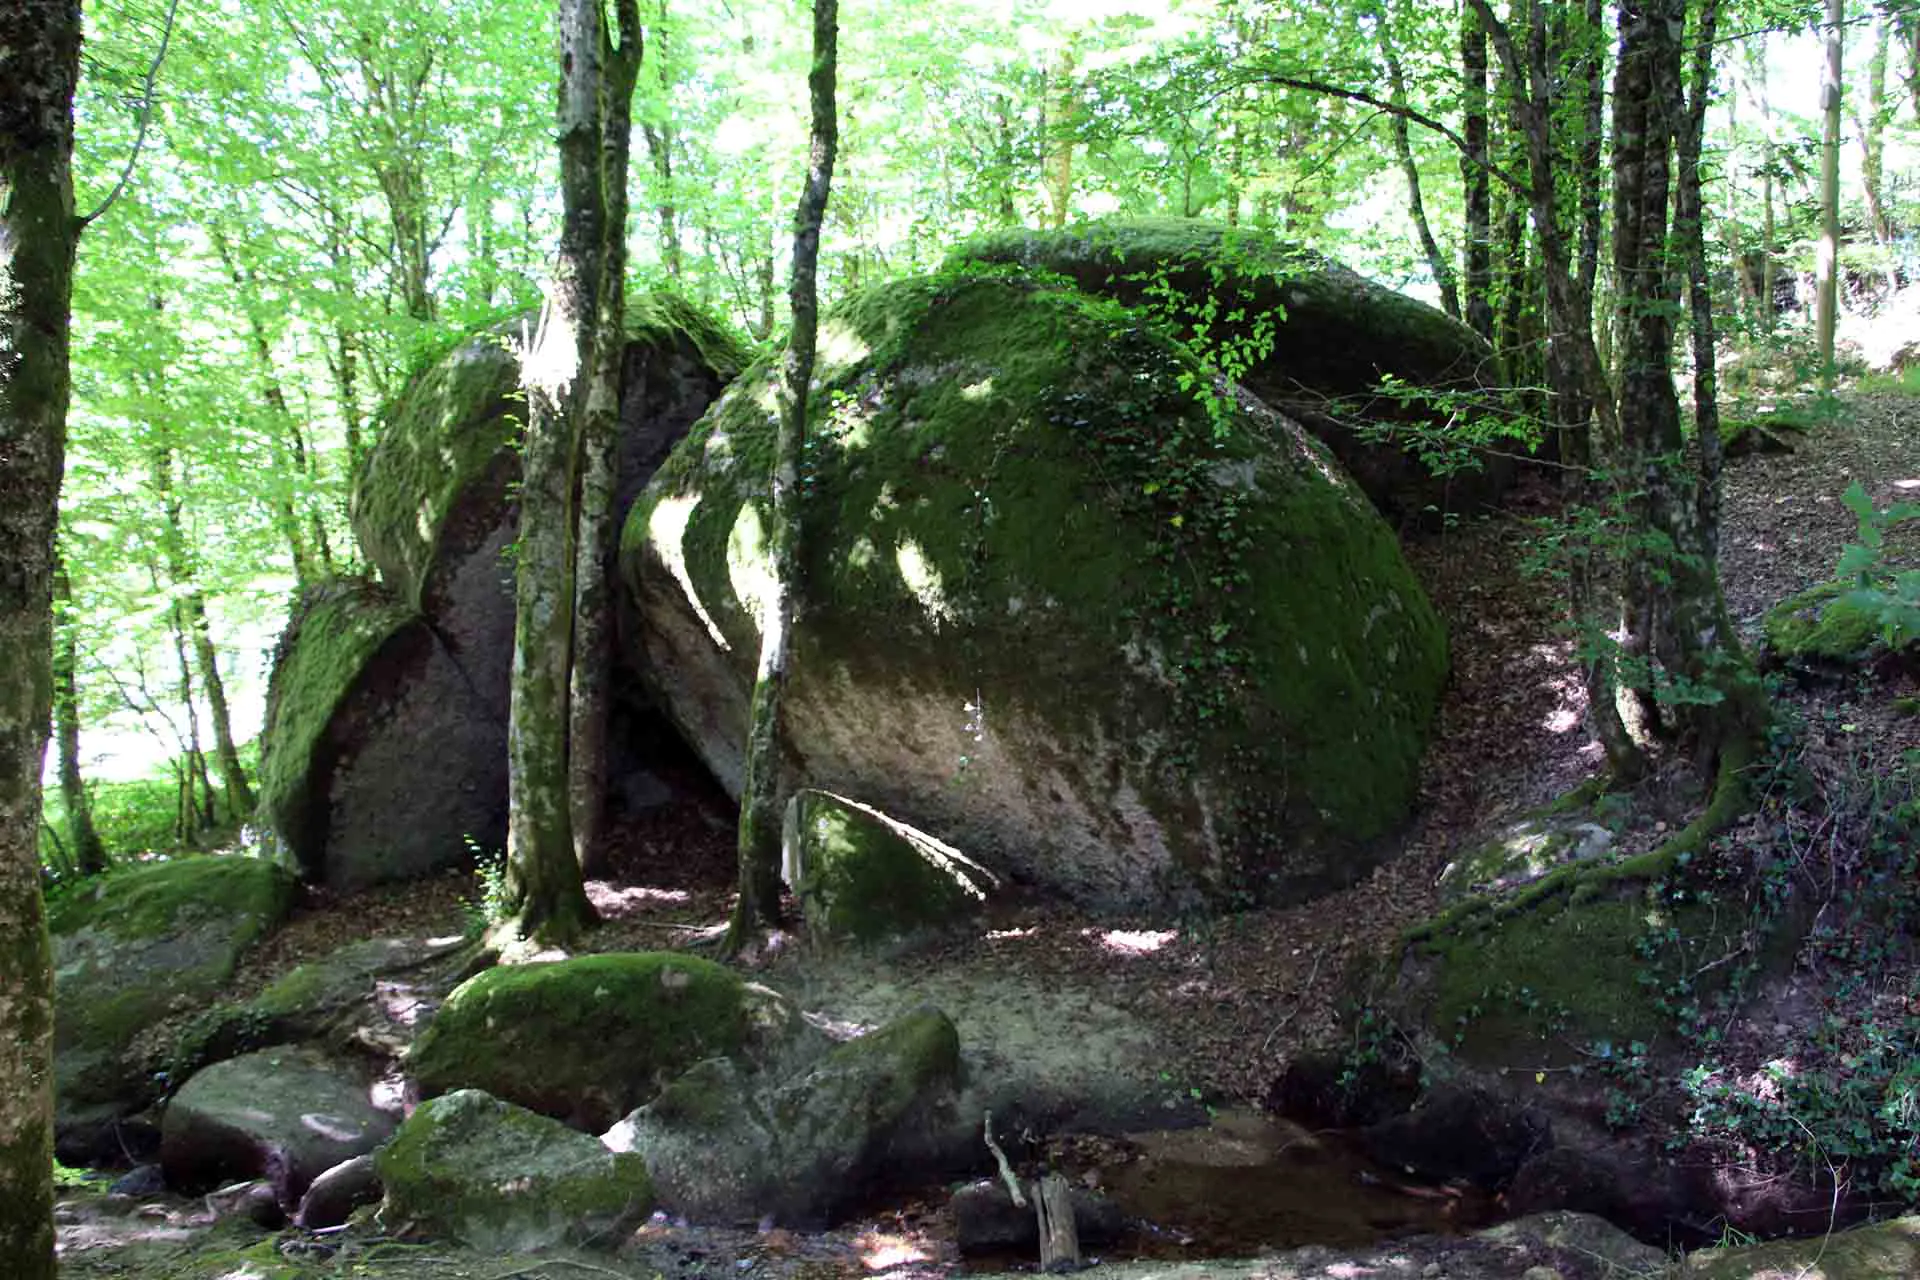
(1059, 610)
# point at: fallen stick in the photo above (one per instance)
(1006, 1170)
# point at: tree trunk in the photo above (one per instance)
(1058, 131)
(1827, 264)
(1690, 230)
(763, 789)
(1473, 174)
(1059, 1233)
(1873, 148)
(88, 854)
(38, 231)
(592, 675)
(1698, 689)
(1416, 209)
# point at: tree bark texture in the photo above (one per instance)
(40, 48)
(1473, 174)
(543, 869)
(1827, 261)
(591, 678)
(89, 855)
(1697, 689)
(1061, 106)
(763, 789)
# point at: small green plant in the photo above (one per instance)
(1891, 596)
(493, 903)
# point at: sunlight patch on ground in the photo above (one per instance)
(1132, 942)
(999, 935)
(881, 1251)
(616, 903)
(399, 1001)
(1906, 484)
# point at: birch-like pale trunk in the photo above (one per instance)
(763, 788)
(1827, 259)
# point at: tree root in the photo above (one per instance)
(1730, 799)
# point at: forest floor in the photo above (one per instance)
(1230, 999)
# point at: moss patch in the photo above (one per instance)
(461, 416)
(500, 1178)
(583, 1040)
(337, 630)
(1015, 491)
(154, 900)
(1826, 623)
(866, 877)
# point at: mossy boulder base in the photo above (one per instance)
(134, 948)
(864, 876)
(1060, 610)
(583, 1040)
(501, 1179)
(375, 682)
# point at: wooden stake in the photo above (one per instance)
(1059, 1236)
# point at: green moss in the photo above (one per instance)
(866, 878)
(585, 1040)
(156, 899)
(337, 629)
(1823, 623)
(499, 1178)
(1005, 478)
(1872, 1252)
(462, 415)
(1338, 332)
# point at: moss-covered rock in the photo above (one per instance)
(583, 1040)
(726, 1146)
(1832, 624)
(863, 876)
(1305, 334)
(1524, 852)
(1876, 1252)
(1058, 610)
(134, 948)
(500, 1178)
(372, 683)
(286, 1115)
(363, 696)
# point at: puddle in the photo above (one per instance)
(1250, 1182)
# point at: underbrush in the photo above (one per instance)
(138, 819)
(1829, 1086)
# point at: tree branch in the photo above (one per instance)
(1420, 118)
(146, 116)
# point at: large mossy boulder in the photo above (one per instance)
(1875, 1252)
(379, 758)
(1059, 610)
(500, 1179)
(1305, 334)
(433, 505)
(583, 1040)
(384, 755)
(287, 1115)
(726, 1146)
(132, 949)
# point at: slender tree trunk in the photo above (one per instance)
(567, 372)
(88, 854)
(1690, 231)
(1062, 104)
(197, 809)
(1873, 149)
(1473, 174)
(1416, 208)
(38, 231)
(592, 675)
(1827, 295)
(763, 789)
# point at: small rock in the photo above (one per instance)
(336, 1193)
(1431, 1270)
(141, 1180)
